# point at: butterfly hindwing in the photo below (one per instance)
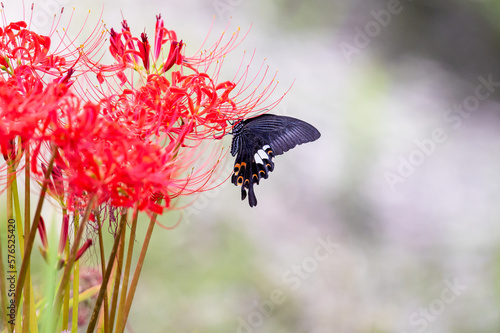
(248, 170)
(257, 140)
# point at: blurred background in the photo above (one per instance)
(389, 222)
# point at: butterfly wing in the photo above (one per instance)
(281, 133)
(257, 140)
(253, 162)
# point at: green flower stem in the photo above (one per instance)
(103, 269)
(116, 284)
(3, 291)
(65, 321)
(10, 215)
(34, 228)
(28, 310)
(69, 264)
(126, 273)
(48, 313)
(105, 279)
(137, 272)
(20, 237)
(3, 288)
(76, 282)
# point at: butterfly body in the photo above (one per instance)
(256, 141)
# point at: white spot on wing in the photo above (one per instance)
(257, 158)
(266, 147)
(263, 154)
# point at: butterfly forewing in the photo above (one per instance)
(257, 140)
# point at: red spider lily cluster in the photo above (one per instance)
(107, 140)
(133, 136)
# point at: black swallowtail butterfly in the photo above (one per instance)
(257, 140)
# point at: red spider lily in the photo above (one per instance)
(32, 81)
(129, 50)
(22, 50)
(189, 92)
(138, 143)
(138, 140)
(22, 111)
(161, 106)
(183, 107)
(99, 157)
(22, 46)
(26, 105)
